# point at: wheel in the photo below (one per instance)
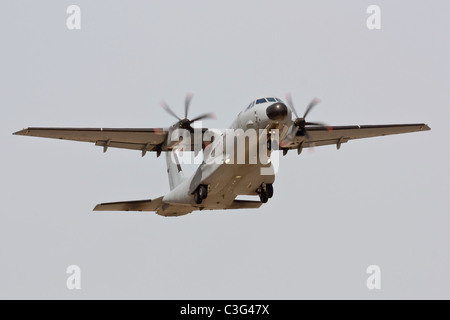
(263, 197)
(197, 198)
(269, 190)
(203, 191)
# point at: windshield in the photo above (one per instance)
(263, 100)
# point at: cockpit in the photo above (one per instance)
(263, 100)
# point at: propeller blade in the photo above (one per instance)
(291, 104)
(166, 107)
(310, 106)
(321, 124)
(294, 131)
(204, 116)
(187, 102)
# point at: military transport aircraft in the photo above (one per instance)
(215, 185)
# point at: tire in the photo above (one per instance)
(203, 191)
(263, 197)
(197, 198)
(269, 190)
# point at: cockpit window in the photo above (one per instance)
(263, 100)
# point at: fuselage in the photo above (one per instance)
(228, 178)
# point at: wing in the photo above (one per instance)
(320, 136)
(152, 139)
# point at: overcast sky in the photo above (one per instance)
(381, 201)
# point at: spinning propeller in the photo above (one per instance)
(186, 123)
(300, 123)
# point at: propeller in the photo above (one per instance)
(300, 123)
(186, 123)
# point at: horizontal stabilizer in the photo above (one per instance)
(155, 205)
(139, 205)
(163, 209)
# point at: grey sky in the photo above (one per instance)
(380, 201)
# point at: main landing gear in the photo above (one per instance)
(265, 192)
(200, 194)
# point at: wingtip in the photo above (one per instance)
(22, 132)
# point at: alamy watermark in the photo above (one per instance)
(230, 146)
(374, 280)
(74, 280)
(374, 20)
(73, 21)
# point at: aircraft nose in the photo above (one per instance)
(277, 111)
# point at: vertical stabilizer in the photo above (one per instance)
(174, 170)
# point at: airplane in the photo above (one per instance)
(216, 185)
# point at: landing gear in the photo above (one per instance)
(269, 190)
(265, 192)
(197, 198)
(203, 191)
(263, 197)
(200, 194)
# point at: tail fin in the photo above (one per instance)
(174, 170)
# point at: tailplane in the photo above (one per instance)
(155, 205)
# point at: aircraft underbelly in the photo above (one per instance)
(229, 181)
